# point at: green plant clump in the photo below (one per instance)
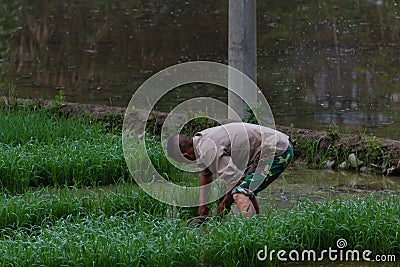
(110, 230)
(39, 149)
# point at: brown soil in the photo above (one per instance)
(381, 154)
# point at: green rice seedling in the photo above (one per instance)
(146, 155)
(40, 149)
(38, 126)
(141, 239)
(374, 153)
(198, 124)
(128, 240)
(364, 223)
(64, 162)
(333, 130)
(36, 208)
(309, 150)
(160, 161)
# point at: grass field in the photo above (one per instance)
(68, 199)
(125, 226)
(45, 149)
(41, 149)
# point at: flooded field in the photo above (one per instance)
(299, 184)
(296, 185)
(67, 199)
(318, 62)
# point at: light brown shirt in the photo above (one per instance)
(225, 151)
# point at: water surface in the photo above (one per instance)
(299, 184)
(319, 62)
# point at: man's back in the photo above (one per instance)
(234, 145)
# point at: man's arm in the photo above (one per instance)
(204, 180)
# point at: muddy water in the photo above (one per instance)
(318, 62)
(299, 184)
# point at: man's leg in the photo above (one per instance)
(244, 205)
(225, 205)
(279, 164)
(246, 200)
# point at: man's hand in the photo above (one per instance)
(225, 205)
(203, 210)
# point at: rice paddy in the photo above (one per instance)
(68, 200)
(40, 149)
(126, 227)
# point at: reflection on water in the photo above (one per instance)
(318, 62)
(297, 184)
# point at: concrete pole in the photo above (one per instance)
(242, 51)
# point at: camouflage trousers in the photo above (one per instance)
(255, 182)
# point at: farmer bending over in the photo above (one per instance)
(247, 157)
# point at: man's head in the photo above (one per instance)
(181, 145)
